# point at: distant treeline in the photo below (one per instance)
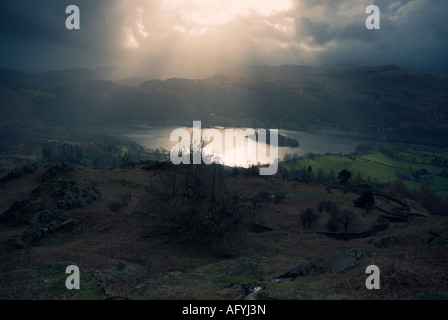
(88, 155)
(283, 140)
(107, 153)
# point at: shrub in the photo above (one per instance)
(326, 205)
(308, 217)
(278, 197)
(261, 198)
(366, 200)
(332, 224)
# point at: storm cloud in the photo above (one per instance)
(163, 38)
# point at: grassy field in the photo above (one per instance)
(385, 164)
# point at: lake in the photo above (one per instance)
(315, 141)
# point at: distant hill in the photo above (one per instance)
(287, 71)
(49, 79)
(16, 108)
(399, 104)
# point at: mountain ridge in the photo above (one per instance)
(400, 104)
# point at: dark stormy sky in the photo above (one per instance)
(199, 37)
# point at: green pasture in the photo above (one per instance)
(382, 167)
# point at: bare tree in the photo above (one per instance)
(195, 205)
(346, 218)
(340, 218)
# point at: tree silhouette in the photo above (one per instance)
(366, 200)
(308, 217)
(344, 176)
(346, 218)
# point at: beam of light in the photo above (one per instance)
(196, 38)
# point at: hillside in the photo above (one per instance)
(109, 223)
(398, 104)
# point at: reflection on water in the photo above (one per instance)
(317, 142)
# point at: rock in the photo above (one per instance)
(15, 244)
(438, 242)
(100, 279)
(115, 274)
(42, 224)
(71, 201)
(124, 266)
(146, 287)
(302, 270)
(20, 212)
(342, 262)
(46, 217)
(247, 267)
(251, 292)
(67, 225)
(435, 238)
(281, 280)
(169, 273)
(123, 269)
(76, 197)
(73, 195)
(392, 240)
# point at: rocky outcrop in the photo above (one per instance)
(301, 270)
(435, 238)
(342, 262)
(15, 244)
(388, 241)
(20, 212)
(47, 222)
(76, 196)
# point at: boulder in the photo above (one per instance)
(67, 225)
(43, 224)
(342, 262)
(146, 287)
(76, 196)
(435, 238)
(15, 244)
(301, 270)
(250, 291)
